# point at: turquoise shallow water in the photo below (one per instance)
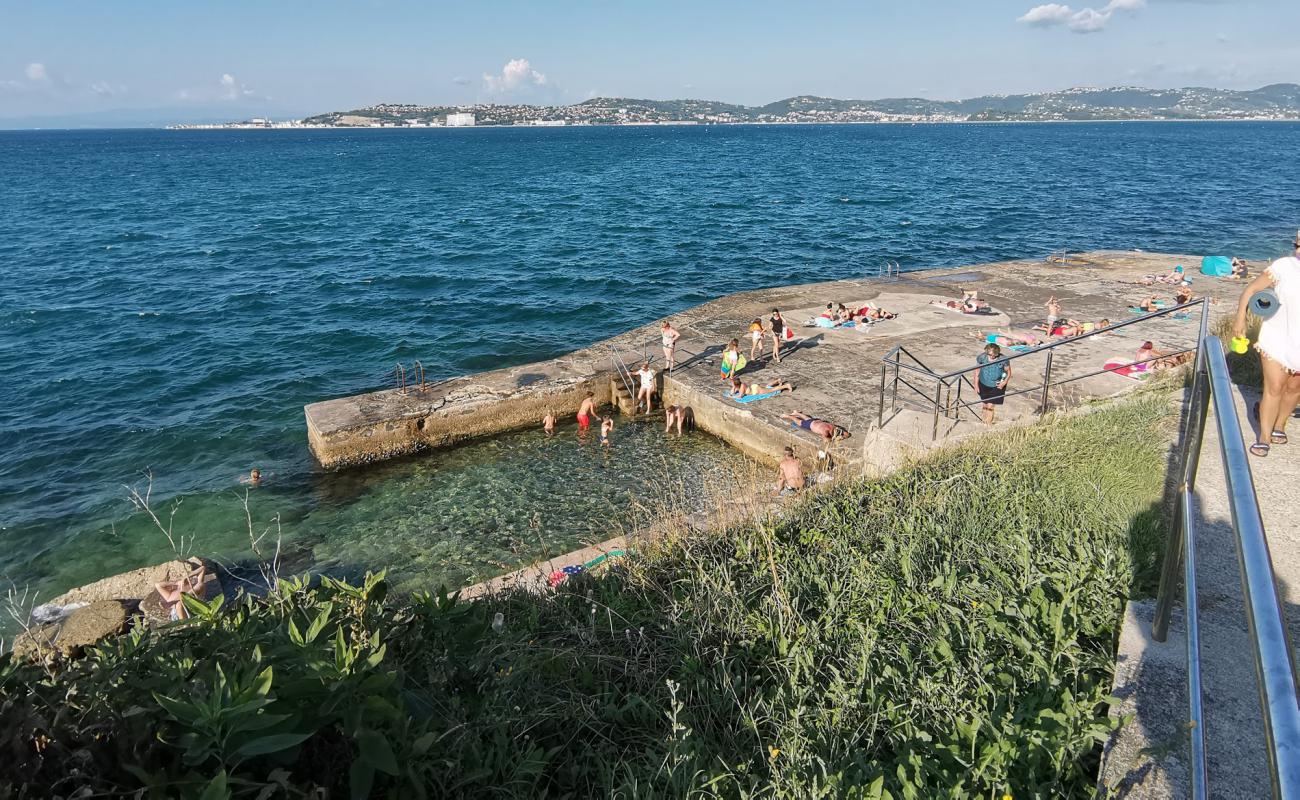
(171, 299)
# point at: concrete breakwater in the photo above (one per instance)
(836, 371)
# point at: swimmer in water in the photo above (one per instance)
(254, 478)
(606, 428)
(586, 411)
(548, 423)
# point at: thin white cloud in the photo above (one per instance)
(461, 81)
(1047, 14)
(1084, 20)
(36, 72)
(232, 89)
(518, 73)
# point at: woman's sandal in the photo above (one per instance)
(1277, 437)
(1259, 449)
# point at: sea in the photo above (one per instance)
(171, 299)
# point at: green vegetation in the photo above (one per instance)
(945, 632)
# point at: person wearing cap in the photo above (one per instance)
(1278, 346)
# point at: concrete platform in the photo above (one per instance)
(837, 372)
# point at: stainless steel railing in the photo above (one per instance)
(1274, 666)
(941, 400)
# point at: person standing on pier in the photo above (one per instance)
(647, 388)
(778, 333)
(670, 337)
(1278, 346)
(993, 377)
(756, 339)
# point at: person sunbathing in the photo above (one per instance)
(171, 591)
(965, 305)
(1150, 304)
(1009, 338)
(1173, 276)
(829, 431)
(741, 389)
(872, 313)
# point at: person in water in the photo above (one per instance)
(647, 387)
(586, 411)
(606, 428)
(673, 415)
(668, 337)
(756, 339)
(1278, 347)
(829, 431)
(171, 591)
(789, 474)
(993, 377)
(548, 422)
(776, 324)
(253, 479)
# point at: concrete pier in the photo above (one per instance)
(836, 371)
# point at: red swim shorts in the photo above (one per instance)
(584, 422)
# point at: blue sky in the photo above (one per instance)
(295, 56)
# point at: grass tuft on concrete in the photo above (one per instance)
(947, 631)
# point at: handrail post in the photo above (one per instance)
(1047, 382)
(884, 371)
(894, 403)
(934, 431)
(1189, 459)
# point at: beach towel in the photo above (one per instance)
(1125, 369)
(749, 398)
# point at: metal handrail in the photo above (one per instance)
(1274, 667)
(944, 380)
(624, 372)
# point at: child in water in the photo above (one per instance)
(606, 428)
(548, 423)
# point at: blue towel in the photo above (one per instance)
(749, 398)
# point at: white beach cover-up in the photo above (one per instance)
(1279, 335)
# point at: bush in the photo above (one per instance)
(945, 632)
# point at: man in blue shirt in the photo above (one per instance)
(993, 378)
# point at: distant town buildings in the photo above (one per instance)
(1276, 102)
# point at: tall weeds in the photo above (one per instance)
(944, 632)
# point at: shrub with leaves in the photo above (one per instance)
(947, 631)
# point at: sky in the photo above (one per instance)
(299, 57)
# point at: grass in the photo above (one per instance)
(947, 631)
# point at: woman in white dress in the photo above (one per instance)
(1278, 346)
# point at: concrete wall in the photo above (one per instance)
(734, 424)
(358, 430)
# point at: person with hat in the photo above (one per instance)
(1278, 346)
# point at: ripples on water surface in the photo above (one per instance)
(170, 300)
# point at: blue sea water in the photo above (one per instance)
(171, 299)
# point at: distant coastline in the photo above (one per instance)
(243, 126)
(1277, 102)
